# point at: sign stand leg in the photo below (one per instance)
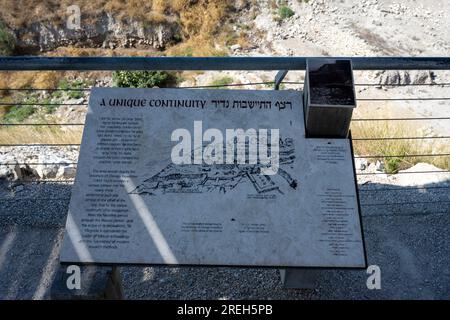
(332, 120)
(94, 282)
(299, 278)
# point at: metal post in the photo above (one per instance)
(279, 78)
(329, 99)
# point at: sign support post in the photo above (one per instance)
(87, 282)
(329, 100)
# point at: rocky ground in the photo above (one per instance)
(356, 28)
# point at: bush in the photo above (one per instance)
(285, 12)
(142, 79)
(393, 164)
(220, 83)
(19, 113)
(6, 41)
(64, 84)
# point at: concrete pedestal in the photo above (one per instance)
(97, 283)
(299, 278)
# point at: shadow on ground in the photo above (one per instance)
(409, 242)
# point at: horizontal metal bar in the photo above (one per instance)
(213, 63)
(37, 163)
(385, 85)
(410, 172)
(17, 104)
(399, 138)
(401, 99)
(360, 189)
(402, 84)
(402, 203)
(400, 189)
(39, 144)
(358, 174)
(41, 124)
(44, 89)
(182, 87)
(401, 119)
(35, 199)
(405, 155)
(362, 204)
(48, 181)
(240, 84)
(227, 85)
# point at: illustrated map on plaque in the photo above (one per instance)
(210, 177)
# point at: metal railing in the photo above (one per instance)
(243, 63)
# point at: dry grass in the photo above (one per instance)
(200, 24)
(398, 148)
(30, 79)
(101, 52)
(40, 134)
(195, 16)
(20, 13)
(244, 40)
(200, 21)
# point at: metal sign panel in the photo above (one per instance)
(168, 176)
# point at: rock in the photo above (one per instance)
(371, 167)
(66, 172)
(360, 164)
(379, 165)
(239, 5)
(105, 30)
(235, 47)
(423, 176)
(5, 172)
(47, 171)
(377, 23)
(17, 172)
(406, 77)
(74, 101)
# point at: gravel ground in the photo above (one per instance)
(409, 242)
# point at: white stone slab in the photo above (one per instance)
(131, 204)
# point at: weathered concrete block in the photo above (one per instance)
(96, 282)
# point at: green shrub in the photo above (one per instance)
(285, 12)
(6, 41)
(393, 165)
(19, 113)
(49, 109)
(142, 79)
(220, 83)
(67, 85)
(177, 37)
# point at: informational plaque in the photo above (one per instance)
(210, 177)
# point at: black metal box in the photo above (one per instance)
(329, 97)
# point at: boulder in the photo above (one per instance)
(361, 164)
(405, 77)
(106, 29)
(66, 172)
